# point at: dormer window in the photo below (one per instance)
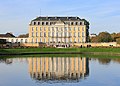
(80, 23)
(76, 23)
(42, 23)
(46, 23)
(38, 23)
(34, 23)
(71, 23)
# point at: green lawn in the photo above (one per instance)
(32, 50)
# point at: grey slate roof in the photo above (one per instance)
(56, 18)
(7, 35)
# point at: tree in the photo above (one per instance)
(104, 60)
(115, 36)
(23, 35)
(118, 40)
(2, 41)
(94, 39)
(104, 37)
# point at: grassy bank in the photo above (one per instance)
(54, 50)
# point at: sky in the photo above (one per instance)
(103, 15)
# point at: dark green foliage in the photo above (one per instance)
(2, 41)
(104, 37)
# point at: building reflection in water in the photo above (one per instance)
(58, 68)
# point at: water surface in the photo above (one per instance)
(60, 71)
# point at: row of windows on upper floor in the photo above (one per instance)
(61, 34)
(56, 29)
(67, 40)
(50, 23)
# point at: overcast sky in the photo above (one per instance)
(103, 15)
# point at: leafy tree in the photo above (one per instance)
(2, 41)
(23, 35)
(94, 39)
(104, 37)
(115, 36)
(118, 40)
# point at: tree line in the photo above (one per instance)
(106, 37)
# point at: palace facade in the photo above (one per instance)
(58, 31)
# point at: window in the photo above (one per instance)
(52, 33)
(82, 34)
(56, 28)
(25, 40)
(40, 34)
(78, 34)
(74, 29)
(70, 39)
(56, 39)
(44, 34)
(34, 23)
(32, 28)
(78, 29)
(80, 23)
(74, 34)
(36, 40)
(65, 28)
(71, 23)
(46, 23)
(42, 23)
(69, 29)
(48, 28)
(32, 40)
(65, 34)
(48, 34)
(61, 29)
(48, 40)
(40, 28)
(44, 40)
(44, 29)
(40, 39)
(36, 29)
(32, 34)
(82, 28)
(21, 40)
(36, 34)
(12, 40)
(52, 28)
(65, 40)
(57, 34)
(61, 34)
(16, 40)
(50, 23)
(69, 34)
(79, 40)
(38, 23)
(76, 23)
(75, 40)
(82, 39)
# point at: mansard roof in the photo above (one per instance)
(56, 18)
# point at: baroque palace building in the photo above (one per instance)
(58, 31)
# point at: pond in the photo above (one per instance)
(59, 71)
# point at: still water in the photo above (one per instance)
(59, 71)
